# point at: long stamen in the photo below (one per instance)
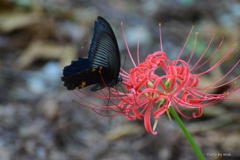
(212, 55)
(126, 44)
(222, 78)
(209, 44)
(138, 46)
(160, 36)
(194, 46)
(219, 62)
(184, 46)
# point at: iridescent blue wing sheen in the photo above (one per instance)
(102, 65)
(104, 49)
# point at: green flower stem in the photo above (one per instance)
(187, 134)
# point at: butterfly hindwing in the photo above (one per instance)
(76, 67)
(86, 78)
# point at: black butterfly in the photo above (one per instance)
(102, 66)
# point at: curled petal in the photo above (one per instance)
(147, 120)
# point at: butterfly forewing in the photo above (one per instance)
(104, 49)
(102, 65)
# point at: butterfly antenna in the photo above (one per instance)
(107, 96)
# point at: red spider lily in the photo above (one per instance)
(150, 95)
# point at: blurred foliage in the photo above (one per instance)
(38, 119)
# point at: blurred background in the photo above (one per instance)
(39, 120)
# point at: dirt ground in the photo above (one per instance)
(38, 117)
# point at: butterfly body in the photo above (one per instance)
(101, 67)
